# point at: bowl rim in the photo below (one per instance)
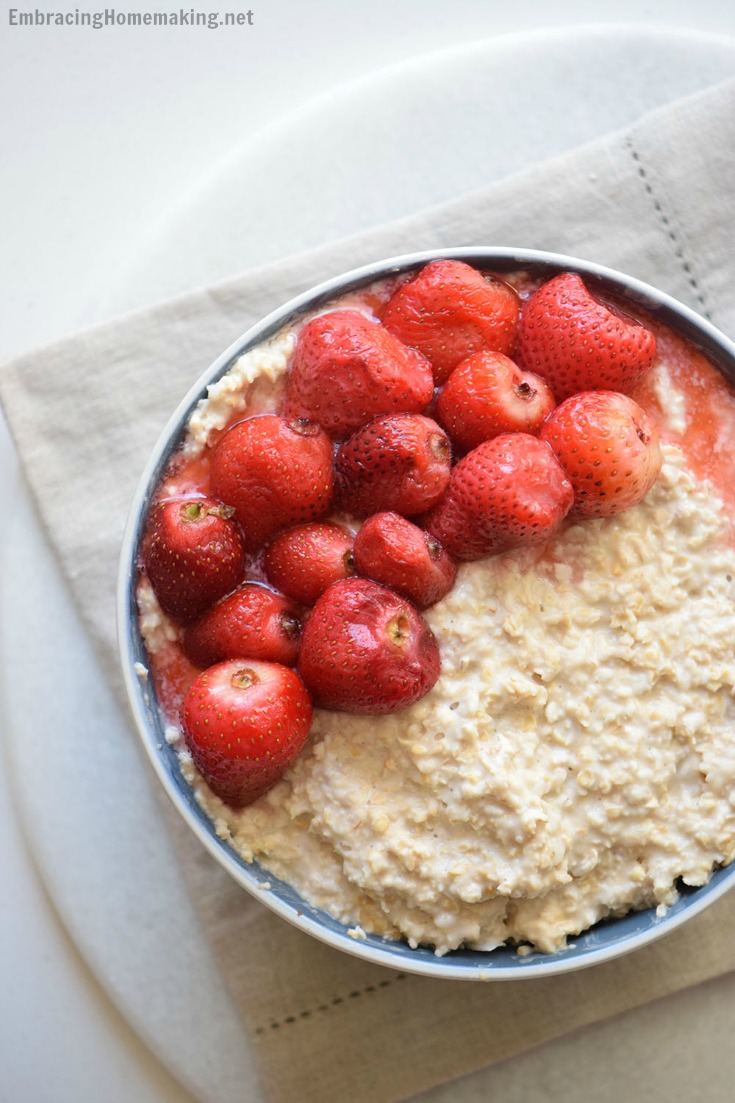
(395, 954)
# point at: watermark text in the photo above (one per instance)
(115, 17)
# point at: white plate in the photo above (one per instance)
(412, 136)
(379, 148)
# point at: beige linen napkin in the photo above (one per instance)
(655, 201)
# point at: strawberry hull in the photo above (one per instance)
(506, 797)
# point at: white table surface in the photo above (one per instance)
(100, 133)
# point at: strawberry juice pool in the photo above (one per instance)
(575, 759)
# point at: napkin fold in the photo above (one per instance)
(656, 201)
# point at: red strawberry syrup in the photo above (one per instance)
(172, 675)
(709, 440)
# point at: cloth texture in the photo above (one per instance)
(655, 201)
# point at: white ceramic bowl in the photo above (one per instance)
(602, 942)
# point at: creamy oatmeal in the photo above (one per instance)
(576, 758)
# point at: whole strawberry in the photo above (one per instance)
(608, 448)
(487, 395)
(393, 551)
(302, 562)
(251, 623)
(347, 369)
(193, 555)
(367, 650)
(245, 722)
(506, 493)
(449, 311)
(274, 472)
(398, 463)
(577, 343)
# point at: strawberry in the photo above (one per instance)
(347, 369)
(192, 553)
(487, 395)
(506, 493)
(367, 650)
(393, 551)
(251, 623)
(302, 562)
(608, 448)
(398, 463)
(578, 343)
(245, 722)
(273, 472)
(449, 311)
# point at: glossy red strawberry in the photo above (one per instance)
(302, 562)
(193, 554)
(398, 463)
(506, 493)
(251, 623)
(245, 722)
(449, 311)
(578, 343)
(487, 395)
(367, 650)
(347, 369)
(274, 472)
(608, 448)
(393, 551)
